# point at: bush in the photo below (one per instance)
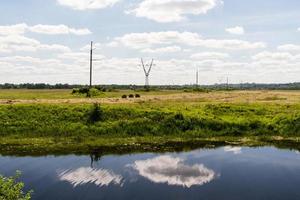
(96, 114)
(10, 189)
(75, 91)
(131, 96)
(137, 96)
(124, 96)
(84, 90)
(93, 92)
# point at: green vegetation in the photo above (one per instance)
(10, 189)
(75, 127)
(155, 119)
(57, 121)
(36, 94)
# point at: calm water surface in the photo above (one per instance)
(223, 173)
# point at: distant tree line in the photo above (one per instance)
(244, 86)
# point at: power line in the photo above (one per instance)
(147, 72)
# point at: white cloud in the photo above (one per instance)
(13, 29)
(112, 44)
(20, 29)
(289, 48)
(238, 30)
(278, 56)
(58, 29)
(147, 40)
(78, 55)
(170, 49)
(173, 171)
(87, 4)
(85, 175)
(209, 55)
(54, 47)
(172, 10)
(13, 43)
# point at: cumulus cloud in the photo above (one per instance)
(238, 30)
(16, 29)
(85, 175)
(289, 48)
(20, 29)
(279, 56)
(209, 55)
(87, 5)
(172, 10)
(173, 171)
(170, 49)
(58, 30)
(146, 40)
(13, 43)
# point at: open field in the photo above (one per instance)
(15, 96)
(158, 120)
(39, 94)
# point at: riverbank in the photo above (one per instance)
(102, 146)
(145, 126)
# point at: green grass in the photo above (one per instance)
(30, 94)
(75, 127)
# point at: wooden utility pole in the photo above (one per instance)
(91, 64)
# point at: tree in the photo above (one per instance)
(11, 189)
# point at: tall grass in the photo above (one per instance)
(149, 119)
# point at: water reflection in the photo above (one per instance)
(173, 171)
(235, 150)
(84, 175)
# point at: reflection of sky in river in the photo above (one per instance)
(84, 175)
(172, 170)
(222, 173)
(235, 150)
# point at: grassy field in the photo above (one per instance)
(157, 120)
(35, 94)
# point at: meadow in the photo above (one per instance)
(57, 121)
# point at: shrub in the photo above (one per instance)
(124, 96)
(93, 92)
(75, 91)
(84, 90)
(131, 96)
(10, 189)
(96, 114)
(101, 89)
(137, 96)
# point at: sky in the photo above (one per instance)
(47, 41)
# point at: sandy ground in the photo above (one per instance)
(230, 97)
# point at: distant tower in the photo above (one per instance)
(147, 72)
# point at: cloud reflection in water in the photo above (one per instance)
(173, 171)
(235, 150)
(84, 175)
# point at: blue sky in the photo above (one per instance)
(247, 41)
